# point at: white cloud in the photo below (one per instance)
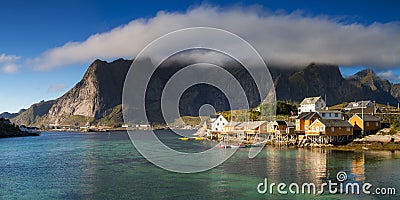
(8, 58)
(389, 75)
(280, 38)
(58, 87)
(7, 63)
(10, 68)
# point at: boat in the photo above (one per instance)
(238, 146)
(198, 138)
(184, 139)
(222, 146)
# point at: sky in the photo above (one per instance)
(46, 46)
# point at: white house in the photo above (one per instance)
(330, 114)
(218, 123)
(359, 104)
(312, 104)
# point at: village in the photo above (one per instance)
(315, 125)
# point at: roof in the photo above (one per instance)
(329, 111)
(368, 118)
(307, 115)
(280, 122)
(233, 124)
(310, 100)
(368, 110)
(251, 125)
(335, 123)
(358, 104)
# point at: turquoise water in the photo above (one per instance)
(107, 166)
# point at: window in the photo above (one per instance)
(332, 129)
(376, 124)
(223, 124)
(306, 127)
(322, 128)
(217, 124)
(313, 128)
(220, 119)
(323, 114)
(366, 123)
(348, 129)
(336, 115)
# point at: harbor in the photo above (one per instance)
(315, 126)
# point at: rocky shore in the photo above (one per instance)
(372, 142)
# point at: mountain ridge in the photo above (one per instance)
(99, 93)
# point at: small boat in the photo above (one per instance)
(222, 146)
(184, 139)
(199, 138)
(238, 146)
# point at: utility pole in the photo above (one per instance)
(362, 118)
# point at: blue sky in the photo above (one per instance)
(29, 29)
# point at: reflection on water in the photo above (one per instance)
(357, 168)
(102, 166)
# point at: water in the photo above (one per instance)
(107, 166)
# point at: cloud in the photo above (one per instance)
(58, 87)
(389, 75)
(7, 63)
(291, 38)
(10, 68)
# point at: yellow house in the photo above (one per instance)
(367, 123)
(304, 120)
(330, 127)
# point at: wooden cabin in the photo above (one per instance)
(281, 126)
(304, 120)
(330, 127)
(365, 122)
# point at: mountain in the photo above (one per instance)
(323, 79)
(35, 114)
(395, 91)
(97, 97)
(8, 115)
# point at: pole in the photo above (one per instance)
(362, 118)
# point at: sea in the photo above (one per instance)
(106, 165)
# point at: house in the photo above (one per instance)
(369, 110)
(253, 129)
(330, 127)
(280, 126)
(330, 114)
(359, 104)
(304, 120)
(231, 126)
(365, 124)
(311, 104)
(218, 122)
